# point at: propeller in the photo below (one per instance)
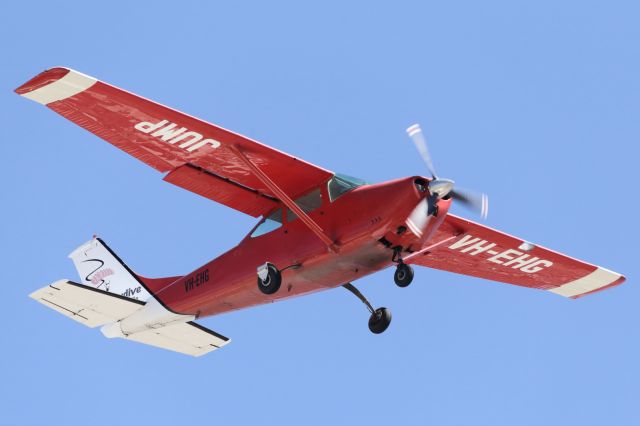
(440, 188)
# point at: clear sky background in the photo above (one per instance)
(537, 103)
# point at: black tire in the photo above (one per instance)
(379, 320)
(273, 281)
(403, 275)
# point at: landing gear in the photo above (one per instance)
(380, 318)
(269, 278)
(404, 273)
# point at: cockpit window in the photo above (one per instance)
(341, 184)
(307, 203)
(270, 223)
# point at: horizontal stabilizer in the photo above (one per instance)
(87, 305)
(188, 338)
(94, 307)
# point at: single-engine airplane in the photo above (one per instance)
(318, 229)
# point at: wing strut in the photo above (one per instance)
(313, 226)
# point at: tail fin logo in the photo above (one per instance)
(97, 276)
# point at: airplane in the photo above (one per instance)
(317, 230)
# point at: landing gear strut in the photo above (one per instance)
(404, 273)
(380, 318)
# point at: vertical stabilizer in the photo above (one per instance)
(100, 268)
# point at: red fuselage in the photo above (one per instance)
(365, 223)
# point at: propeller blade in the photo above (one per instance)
(416, 135)
(440, 188)
(419, 218)
(475, 201)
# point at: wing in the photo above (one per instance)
(198, 156)
(468, 248)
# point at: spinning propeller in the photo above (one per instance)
(440, 188)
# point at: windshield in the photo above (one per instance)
(341, 184)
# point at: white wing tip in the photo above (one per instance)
(55, 84)
(596, 280)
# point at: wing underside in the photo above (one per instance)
(198, 156)
(468, 248)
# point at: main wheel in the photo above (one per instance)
(272, 283)
(380, 320)
(403, 275)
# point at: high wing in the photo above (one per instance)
(468, 248)
(198, 156)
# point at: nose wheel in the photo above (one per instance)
(404, 273)
(380, 318)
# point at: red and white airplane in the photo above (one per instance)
(319, 230)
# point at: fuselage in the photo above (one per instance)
(365, 223)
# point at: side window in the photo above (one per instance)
(270, 223)
(307, 203)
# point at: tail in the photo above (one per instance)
(125, 305)
(99, 267)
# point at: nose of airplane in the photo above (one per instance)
(441, 187)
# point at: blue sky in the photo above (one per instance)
(535, 103)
